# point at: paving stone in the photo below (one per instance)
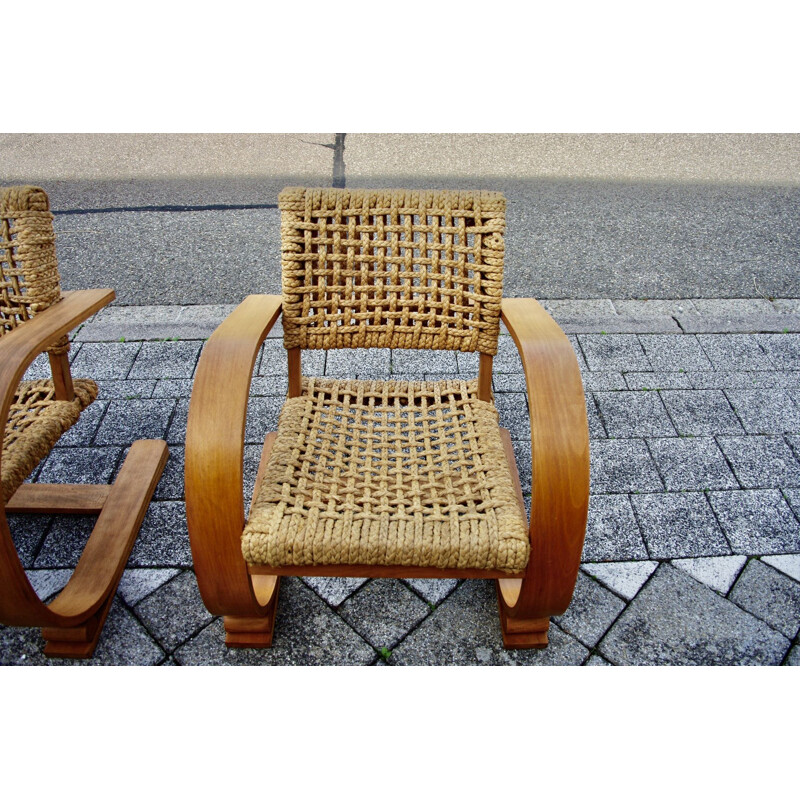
(576, 347)
(701, 413)
(676, 620)
(789, 565)
(591, 613)
(657, 380)
(621, 352)
(625, 578)
(84, 430)
(163, 539)
(421, 361)
(691, 463)
(745, 315)
(166, 360)
(793, 659)
(273, 358)
(630, 414)
(136, 584)
(769, 595)
(654, 308)
(28, 531)
(106, 360)
(123, 642)
(737, 380)
(38, 369)
(508, 382)
(334, 590)
(174, 612)
(128, 420)
(522, 457)
(604, 381)
(718, 572)
(176, 433)
(466, 630)
(622, 465)
(434, 590)
(750, 307)
(173, 387)
(48, 582)
(786, 305)
(673, 353)
(765, 410)
(593, 309)
(612, 533)
(679, 525)
(782, 349)
(761, 461)
(270, 385)
(793, 499)
(170, 486)
(598, 661)
(80, 465)
(505, 360)
(65, 541)
(262, 417)
(307, 632)
(734, 352)
(756, 521)
(383, 612)
(125, 390)
(468, 363)
(513, 411)
(794, 442)
(346, 363)
(596, 428)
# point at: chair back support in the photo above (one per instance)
(392, 268)
(29, 279)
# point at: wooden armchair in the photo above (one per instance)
(398, 479)
(35, 316)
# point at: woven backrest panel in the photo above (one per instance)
(392, 268)
(29, 280)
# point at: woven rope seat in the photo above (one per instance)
(36, 420)
(388, 473)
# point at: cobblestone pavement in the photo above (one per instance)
(692, 552)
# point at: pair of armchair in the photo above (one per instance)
(369, 478)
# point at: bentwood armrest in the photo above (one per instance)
(19, 347)
(215, 451)
(559, 453)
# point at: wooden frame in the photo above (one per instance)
(72, 622)
(247, 596)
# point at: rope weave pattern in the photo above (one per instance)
(389, 473)
(392, 268)
(36, 420)
(29, 279)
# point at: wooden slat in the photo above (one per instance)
(52, 498)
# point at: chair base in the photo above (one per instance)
(72, 623)
(81, 641)
(522, 634)
(254, 632)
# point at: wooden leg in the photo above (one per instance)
(522, 634)
(78, 642)
(253, 631)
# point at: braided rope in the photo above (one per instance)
(36, 420)
(392, 268)
(29, 279)
(390, 473)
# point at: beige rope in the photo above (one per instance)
(36, 420)
(394, 268)
(29, 279)
(390, 473)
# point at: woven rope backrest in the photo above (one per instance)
(392, 268)
(29, 279)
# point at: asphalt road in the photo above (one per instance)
(215, 240)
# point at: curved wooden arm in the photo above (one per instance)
(560, 462)
(215, 453)
(19, 603)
